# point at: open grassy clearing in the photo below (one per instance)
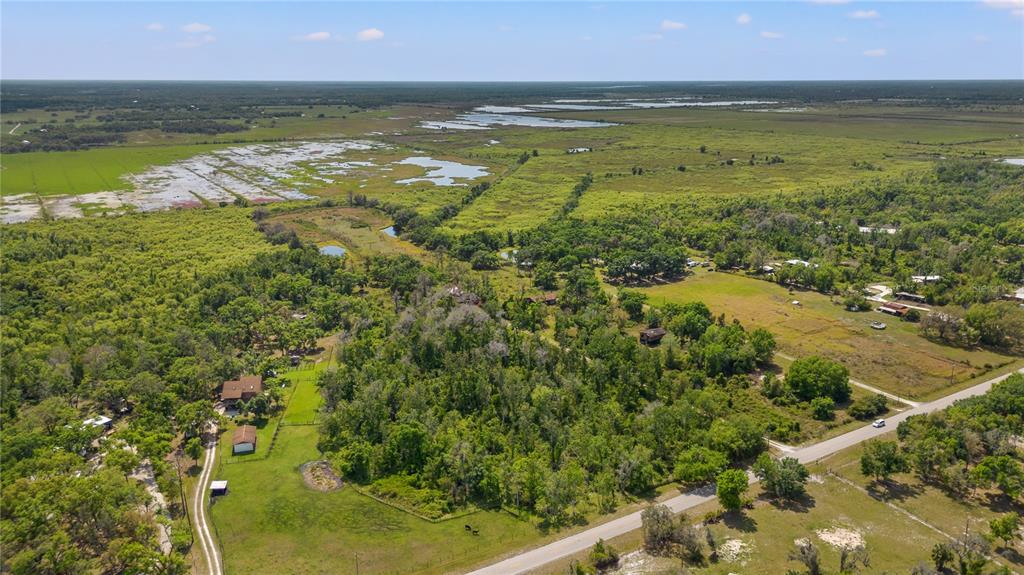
(947, 512)
(760, 541)
(763, 537)
(896, 360)
(541, 186)
(272, 523)
(85, 171)
(919, 124)
(359, 230)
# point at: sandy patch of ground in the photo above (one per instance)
(734, 550)
(841, 538)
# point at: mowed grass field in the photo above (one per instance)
(271, 522)
(896, 359)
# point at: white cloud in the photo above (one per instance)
(651, 37)
(672, 25)
(586, 38)
(981, 38)
(864, 14)
(504, 28)
(875, 52)
(315, 37)
(744, 18)
(772, 35)
(1016, 7)
(154, 27)
(369, 35)
(197, 41)
(196, 28)
(840, 39)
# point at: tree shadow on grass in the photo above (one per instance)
(889, 490)
(1011, 555)
(194, 470)
(739, 521)
(999, 503)
(802, 504)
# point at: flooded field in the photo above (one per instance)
(487, 117)
(486, 120)
(258, 173)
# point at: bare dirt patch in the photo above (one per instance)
(841, 538)
(319, 476)
(734, 550)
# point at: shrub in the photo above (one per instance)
(869, 407)
(823, 408)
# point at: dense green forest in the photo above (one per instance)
(140, 318)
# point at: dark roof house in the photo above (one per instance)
(243, 388)
(892, 308)
(548, 298)
(243, 440)
(652, 335)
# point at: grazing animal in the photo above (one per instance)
(468, 528)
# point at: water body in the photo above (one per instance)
(485, 121)
(486, 117)
(390, 231)
(336, 251)
(1014, 161)
(442, 172)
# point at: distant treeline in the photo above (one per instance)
(29, 95)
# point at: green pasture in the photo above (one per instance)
(84, 171)
(271, 522)
(896, 359)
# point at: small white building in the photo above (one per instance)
(218, 488)
(925, 279)
(99, 421)
(881, 230)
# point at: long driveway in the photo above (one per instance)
(203, 532)
(536, 558)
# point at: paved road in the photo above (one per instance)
(203, 533)
(535, 558)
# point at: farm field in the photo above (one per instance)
(897, 360)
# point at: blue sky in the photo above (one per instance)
(394, 41)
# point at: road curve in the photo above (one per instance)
(540, 556)
(203, 533)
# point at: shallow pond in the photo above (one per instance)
(442, 172)
(336, 251)
(390, 231)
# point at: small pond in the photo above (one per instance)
(390, 231)
(336, 251)
(442, 172)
